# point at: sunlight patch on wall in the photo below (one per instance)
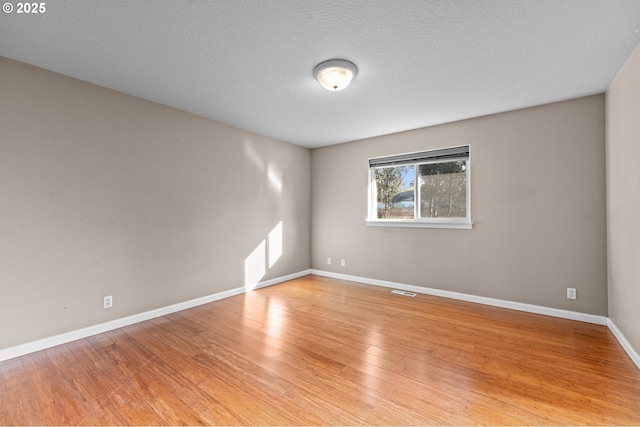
(253, 155)
(254, 266)
(263, 257)
(275, 244)
(274, 174)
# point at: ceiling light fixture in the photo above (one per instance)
(335, 74)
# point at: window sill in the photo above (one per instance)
(420, 224)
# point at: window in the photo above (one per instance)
(425, 189)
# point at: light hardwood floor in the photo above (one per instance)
(318, 351)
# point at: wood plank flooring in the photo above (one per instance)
(318, 351)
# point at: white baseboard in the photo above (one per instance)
(623, 342)
(565, 314)
(44, 343)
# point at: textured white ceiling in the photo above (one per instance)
(249, 63)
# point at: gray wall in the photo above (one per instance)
(623, 199)
(538, 207)
(106, 194)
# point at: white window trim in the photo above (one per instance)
(445, 223)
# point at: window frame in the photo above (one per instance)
(415, 159)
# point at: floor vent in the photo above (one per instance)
(405, 293)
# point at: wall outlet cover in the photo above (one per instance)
(107, 302)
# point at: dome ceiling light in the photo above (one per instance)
(335, 74)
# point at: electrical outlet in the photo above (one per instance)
(572, 293)
(107, 302)
(343, 262)
(329, 261)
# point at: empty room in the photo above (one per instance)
(283, 212)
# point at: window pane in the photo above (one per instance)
(395, 187)
(443, 189)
